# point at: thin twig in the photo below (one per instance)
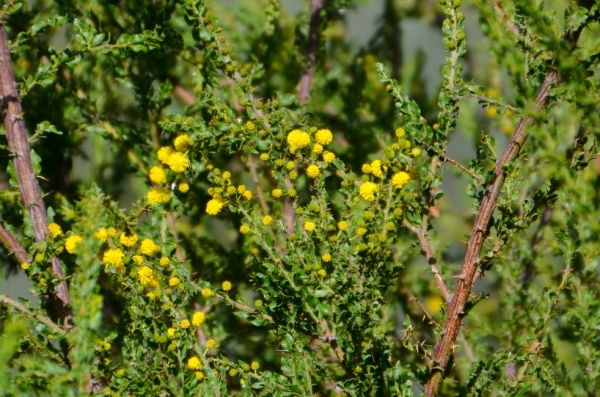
(430, 256)
(38, 316)
(505, 16)
(18, 143)
(463, 168)
(12, 245)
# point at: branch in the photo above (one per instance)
(463, 168)
(13, 245)
(40, 317)
(430, 256)
(313, 39)
(446, 343)
(28, 185)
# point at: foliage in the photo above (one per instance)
(230, 238)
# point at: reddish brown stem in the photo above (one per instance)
(13, 245)
(311, 50)
(446, 344)
(18, 143)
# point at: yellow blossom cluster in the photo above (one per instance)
(400, 179)
(214, 206)
(198, 319)
(128, 241)
(71, 243)
(55, 230)
(148, 247)
(374, 169)
(101, 235)
(114, 257)
(297, 139)
(148, 278)
(367, 190)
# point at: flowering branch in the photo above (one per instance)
(28, 185)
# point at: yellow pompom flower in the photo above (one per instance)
(326, 258)
(158, 196)
(247, 195)
(174, 281)
(312, 171)
(128, 241)
(71, 243)
(182, 142)
(178, 162)
(264, 157)
(267, 220)
(147, 277)
(25, 265)
(184, 187)
(55, 230)
(328, 157)
(158, 175)
(185, 324)
(343, 225)
(245, 229)
(255, 365)
(112, 232)
(207, 292)
(292, 192)
(241, 189)
(138, 259)
(258, 303)
(324, 137)
(198, 319)
(277, 193)
(376, 169)
(226, 286)
(171, 333)
(400, 179)
(309, 226)
(148, 247)
(366, 168)
(297, 139)
(164, 261)
(400, 132)
(114, 257)
(318, 149)
(210, 343)
(101, 234)
(416, 152)
(214, 206)
(200, 375)
(367, 191)
(164, 153)
(322, 272)
(361, 231)
(194, 363)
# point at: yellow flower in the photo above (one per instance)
(247, 194)
(233, 372)
(297, 140)
(361, 231)
(182, 142)
(179, 162)
(328, 157)
(158, 196)
(324, 137)
(267, 220)
(214, 206)
(198, 319)
(147, 278)
(164, 261)
(258, 303)
(312, 171)
(250, 126)
(241, 189)
(276, 193)
(376, 169)
(226, 175)
(101, 234)
(343, 225)
(138, 259)
(416, 152)
(211, 343)
(292, 192)
(194, 363)
(148, 247)
(199, 375)
(128, 241)
(207, 292)
(264, 157)
(322, 272)
(174, 281)
(25, 265)
(244, 229)
(158, 175)
(185, 324)
(114, 257)
(400, 179)
(55, 230)
(255, 365)
(184, 187)
(318, 149)
(171, 333)
(326, 258)
(71, 243)
(366, 168)
(112, 232)
(400, 132)
(367, 191)
(164, 153)
(226, 286)
(309, 226)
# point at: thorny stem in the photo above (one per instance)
(28, 185)
(463, 168)
(12, 245)
(40, 317)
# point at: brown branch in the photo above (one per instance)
(505, 17)
(13, 245)
(446, 343)
(28, 185)
(40, 317)
(311, 50)
(430, 256)
(463, 168)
